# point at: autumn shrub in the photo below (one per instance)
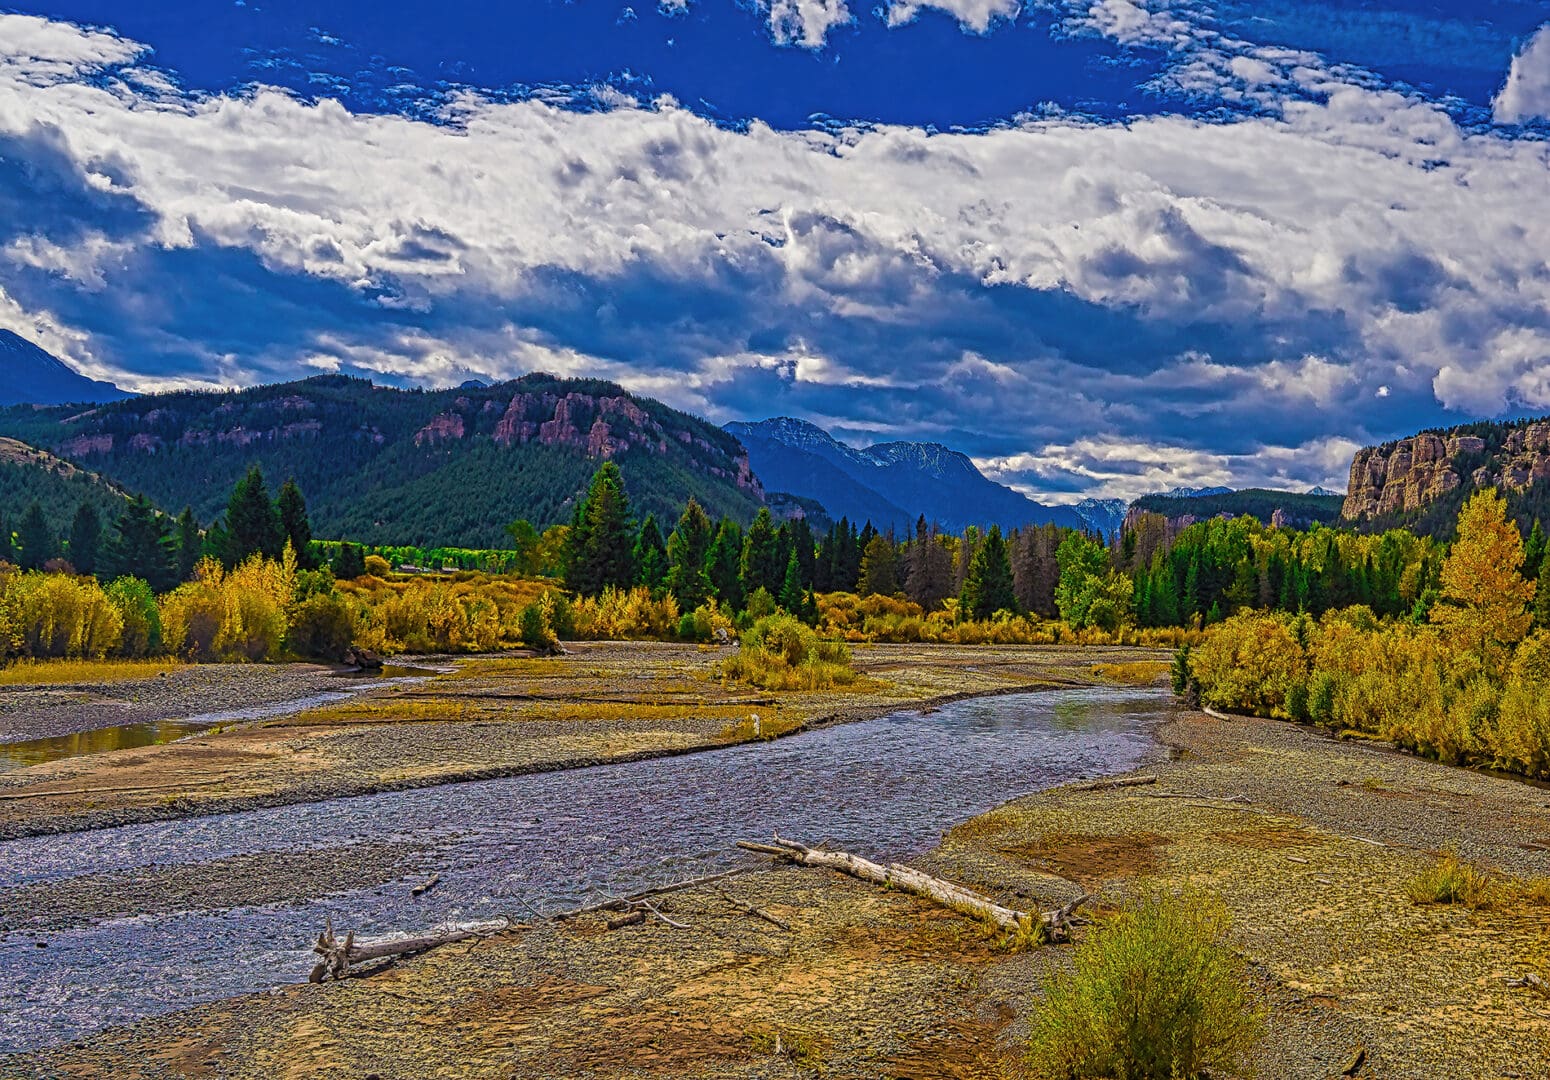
(626, 614)
(377, 566)
(779, 652)
(1157, 994)
(240, 615)
(703, 623)
(136, 605)
(57, 615)
(535, 630)
(1249, 663)
(323, 625)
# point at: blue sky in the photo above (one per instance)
(1104, 246)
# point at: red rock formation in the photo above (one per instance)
(445, 427)
(1407, 475)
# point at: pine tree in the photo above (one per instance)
(792, 596)
(253, 524)
(724, 564)
(759, 566)
(295, 524)
(879, 569)
(141, 547)
(36, 541)
(988, 586)
(806, 550)
(651, 556)
(1542, 596)
(1534, 551)
(929, 570)
(688, 557)
(7, 545)
(350, 562)
(86, 539)
(1484, 602)
(601, 546)
(189, 544)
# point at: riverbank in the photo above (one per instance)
(171, 692)
(493, 717)
(1310, 842)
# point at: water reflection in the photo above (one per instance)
(886, 788)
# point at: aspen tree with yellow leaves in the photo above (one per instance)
(1485, 598)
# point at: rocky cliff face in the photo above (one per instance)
(1407, 475)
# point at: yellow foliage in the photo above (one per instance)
(1485, 597)
(236, 616)
(1250, 663)
(625, 614)
(46, 616)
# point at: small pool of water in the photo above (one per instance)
(19, 755)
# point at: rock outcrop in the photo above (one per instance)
(1405, 476)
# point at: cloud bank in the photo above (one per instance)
(1085, 307)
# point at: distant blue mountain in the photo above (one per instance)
(1194, 492)
(1103, 516)
(890, 484)
(30, 376)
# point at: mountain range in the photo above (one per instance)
(31, 376)
(453, 467)
(382, 465)
(890, 484)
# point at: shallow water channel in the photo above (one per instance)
(20, 754)
(885, 788)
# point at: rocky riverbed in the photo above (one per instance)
(1309, 842)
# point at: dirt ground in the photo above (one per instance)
(1309, 842)
(501, 717)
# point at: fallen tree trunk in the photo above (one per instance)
(1052, 924)
(335, 957)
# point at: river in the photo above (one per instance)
(885, 788)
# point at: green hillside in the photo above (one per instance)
(29, 475)
(382, 465)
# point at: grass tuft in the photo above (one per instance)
(62, 672)
(1450, 880)
(1134, 672)
(1157, 994)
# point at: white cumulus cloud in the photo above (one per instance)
(1526, 94)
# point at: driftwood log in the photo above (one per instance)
(335, 957)
(1054, 924)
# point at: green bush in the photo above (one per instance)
(1157, 994)
(136, 604)
(535, 631)
(780, 652)
(323, 625)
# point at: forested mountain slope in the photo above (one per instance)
(383, 465)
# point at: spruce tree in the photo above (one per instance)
(879, 569)
(252, 523)
(760, 566)
(688, 558)
(36, 541)
(1534, 551)
(650, 555)
(7, 545)
(189, 544)
(295, 524)
(988, 587)
(601, 546)
(725, 564)
(86, 539)
(349, 562)
(141, 547)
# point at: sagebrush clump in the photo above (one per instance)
(780, 652)
(1157, 994)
